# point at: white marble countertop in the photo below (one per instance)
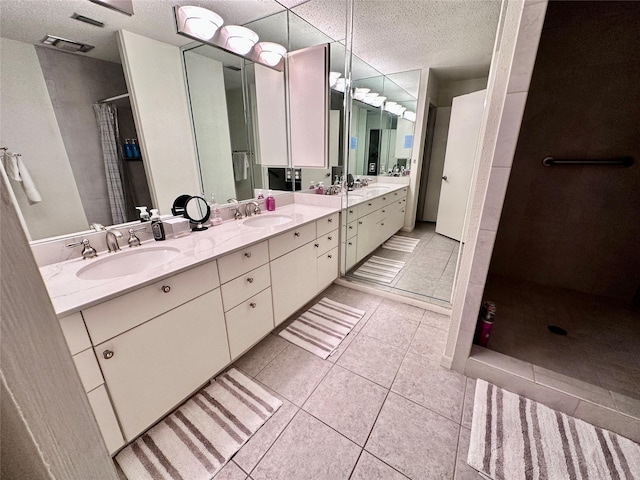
(70, 294)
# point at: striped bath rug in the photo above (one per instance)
(379, 269)
(401, 244)
(516, 438)
(320, 329)
(200, 437)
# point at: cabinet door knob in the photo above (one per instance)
(166, 288)
(359, 223)
(330, 220)
(444, 178)
(329, 256)
(316, 245)
(369, 204)
(250, 279)
(350, 227)
(247, 254)
(384, 198)
(329, 238)
(382, 224)
(350, 243)
(252, 304)
(350, 211)
(396, 194)
(107, 354)
(384, 211)
(296, 234)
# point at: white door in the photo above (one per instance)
(464, 130)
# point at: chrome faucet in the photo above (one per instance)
(112, 239)
(237, 214)
(87, 250)
(255, 210)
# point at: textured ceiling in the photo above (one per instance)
(391, 36)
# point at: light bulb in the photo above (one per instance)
(238, 39)
(270, 53)
(333, 78)
(198, 21)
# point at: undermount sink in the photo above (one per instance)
(353, 199)
(374, 191)
(121, 264)
(267, 220)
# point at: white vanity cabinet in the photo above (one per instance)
(153, 356)
(84, 358)
(303, 262)
(367, 225)
(246, 296)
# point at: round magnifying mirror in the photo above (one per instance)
(197, 211)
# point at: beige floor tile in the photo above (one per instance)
(261, 355)
(371, 468)
(372, 359)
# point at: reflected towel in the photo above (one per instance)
(17, 171)
(240, 166)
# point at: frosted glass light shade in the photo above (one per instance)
(270, 53)
(199, 22)
(340, 85)
(238, 39)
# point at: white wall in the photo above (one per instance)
(155, 81)
(211, 126)
(29, 127)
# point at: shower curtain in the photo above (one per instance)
(109, 136)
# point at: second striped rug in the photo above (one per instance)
(380, 269)
(200, 437)
(320, 329)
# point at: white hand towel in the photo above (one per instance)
(33, 195)
(240, 166)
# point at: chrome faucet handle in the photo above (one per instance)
(87, 251)
(235, 207)
(97, 227)
(255, 210)
(134, 241)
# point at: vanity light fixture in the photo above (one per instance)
(360, 93)
(198, 22)
(270, 53)
(409, 115)
(340, 85)
(238, 39)
(378, 101)
(333, 78)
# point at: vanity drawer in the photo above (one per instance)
(111, 318)
(291, 240)
(351, 213)
(249, 322)
(75, 333)
(327, 224)
(398, 194)
(240, 262)
(350, 229)
(245, 286)
(88, 369)
(327, 268)
(327, 242)
(368, 206)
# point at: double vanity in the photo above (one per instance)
(150, 325)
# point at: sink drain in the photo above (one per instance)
(557, 330)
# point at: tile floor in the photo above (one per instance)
(429, 269)
(381, 407)
(601, 347)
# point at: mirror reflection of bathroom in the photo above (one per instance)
(420, 260)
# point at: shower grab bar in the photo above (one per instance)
(614, 162)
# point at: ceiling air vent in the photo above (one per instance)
(90, 21)
(66, 45)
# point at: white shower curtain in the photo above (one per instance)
(108, 124)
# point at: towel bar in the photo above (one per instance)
(614, 162)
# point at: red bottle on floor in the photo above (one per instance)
(485, 324)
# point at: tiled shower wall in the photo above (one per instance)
(515, 54)
(577, 227)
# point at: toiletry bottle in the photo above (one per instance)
(216, 219)
(260, 195)
(271, 202)
(312, 186)
(128, 149)
(144, 215)
(135, 149)
(156, 225)
(320, 188)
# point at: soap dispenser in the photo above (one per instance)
(144, 215)
(156, 225)
(270, 202)
(216, 218)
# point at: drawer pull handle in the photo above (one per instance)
(369, 204)
(107, 354)
(384, 198)
(329, 256)
(350, 227)
(396, 194)
(329, 238)
(253, 305)
(382, 224)
(250, 279)
(384, 211)
(166, 288)
(330, 220)
(350, 243)
(360, 223)
(350, 211)
(247, 254)
(316, 245)
(296, 234)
